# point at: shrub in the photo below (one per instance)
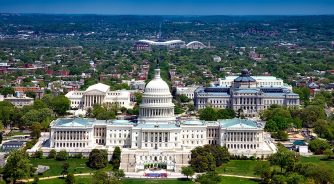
(38, 154)
(62, 155)
(52, 154)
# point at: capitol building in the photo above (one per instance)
(157, 137)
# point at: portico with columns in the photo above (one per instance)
(157, 138)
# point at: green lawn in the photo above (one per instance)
(239, 167)
(234, 180)
(78, 179)
(76, 166)
(318, 160)
(88, 179)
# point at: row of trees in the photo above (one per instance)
(211, 114)
(42, 111)
(291, 170)
(281, 118)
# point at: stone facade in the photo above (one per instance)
(99, 94)
(157, 137)
(246, 94)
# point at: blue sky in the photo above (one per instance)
(171, 7)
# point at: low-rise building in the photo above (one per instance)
(188, 91)
(20, 101)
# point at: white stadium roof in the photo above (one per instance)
(195, 42)
(165, 43)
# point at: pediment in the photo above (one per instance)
(94, 92)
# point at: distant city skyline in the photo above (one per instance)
(170, 7)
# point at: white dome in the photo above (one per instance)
(157, 85)
(157, 103)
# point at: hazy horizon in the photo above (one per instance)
(172, 7)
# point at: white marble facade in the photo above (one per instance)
(99, 94)
(245, 93)
(157, 137)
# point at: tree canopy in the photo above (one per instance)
(17, 166)
(98, 159)
(211, 114)
(208, 157)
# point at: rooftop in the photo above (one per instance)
(162, 126)
(78, 122)
(238, 123)
(99, 87)
(192, 122)
(244, 77)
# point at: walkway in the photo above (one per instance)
(141, 175)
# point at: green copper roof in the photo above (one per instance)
(192, 122)
(66, 122)
(121, 122)
(238, 123)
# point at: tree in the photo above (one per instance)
(280, 135)
(119, 173)
(65, 169)
(39, 104)
(36, 130)
(320, 173)
(7, 91)
(207, 114)
(39, 116)
(279, 179)
(104, 113)
(38, 154)
(295, 178)
(31, 94)
(318, 146)
(220, 153)
(184, 98)
(211, 177)
(303, 92)
(225, 113)
(116, 158)
(100, 177)
(17, 166)
(263, 170)
(70, 179)
(178, 108)
(139, 97)
(98, 159)
(187, 171)
(6, 112)
(62, 155)
(60, 104)
(283, 158)
(311, 114)
(207, 158)
(89, 113)
(328, 153)
(52, 154)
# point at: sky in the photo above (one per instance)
(170, 7)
